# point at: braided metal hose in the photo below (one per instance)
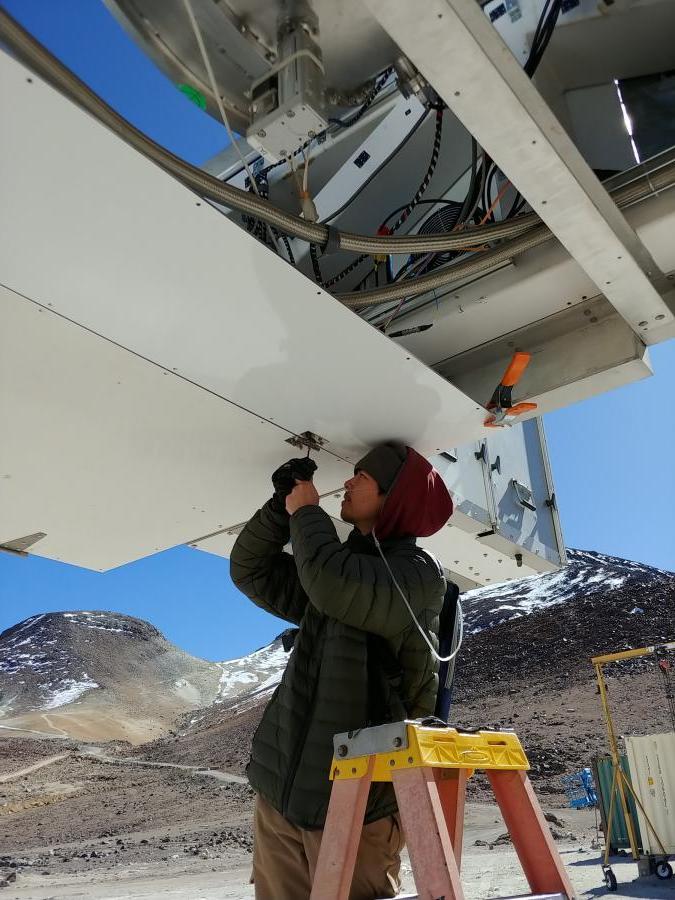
(44, 64)
(644, 186)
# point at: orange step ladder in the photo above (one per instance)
(429, 768)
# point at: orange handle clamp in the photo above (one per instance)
(519, 362)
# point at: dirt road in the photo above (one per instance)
(99, 754)
(10, 776)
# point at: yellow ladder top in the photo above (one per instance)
(439, 748)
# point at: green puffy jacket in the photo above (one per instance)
(358, 659)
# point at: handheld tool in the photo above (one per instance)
(501, 407)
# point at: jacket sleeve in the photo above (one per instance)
(261, 570)
(356, 588)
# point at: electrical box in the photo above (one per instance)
(651, 761)
(505, 523)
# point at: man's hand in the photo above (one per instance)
(303, 494)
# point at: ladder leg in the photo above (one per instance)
(451, 784)
(341, 837)
(530, 833)
(426, 833)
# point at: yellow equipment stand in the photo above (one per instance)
(429, 767)
(620, 783)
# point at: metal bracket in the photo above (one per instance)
(449, 456)
(524, 495)
(497, 466)
(307, 440)
(481, 454)
(366, 741)
(552, 503)
(19, 546)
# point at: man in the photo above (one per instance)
(358, 658)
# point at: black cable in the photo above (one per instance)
(428, 175)
(287, 244)
(377, 171)
(314, 256)
(472, 182)
(374, 91)
(347, 271)
(540, 41)
(432, 201)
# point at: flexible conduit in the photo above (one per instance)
(44, 64)
(644, 186)
(527, 231)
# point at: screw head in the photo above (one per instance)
(291, 113)
(262, 133)
(642, 324)
(660, 317)
(397, 742)
(342, 750)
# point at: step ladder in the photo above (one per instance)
(429, 768)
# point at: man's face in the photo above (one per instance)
(363, 500)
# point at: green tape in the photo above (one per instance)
(193, 94)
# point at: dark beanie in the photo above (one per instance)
(383, 463)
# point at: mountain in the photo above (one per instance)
(524, 664)
(98, 675)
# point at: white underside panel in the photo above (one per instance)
(97, 233)
(155, 358)
(115, 458)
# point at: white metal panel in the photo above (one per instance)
(96, 232)
(459, 551)
(456, 48)
(651, 761)
(116, 458)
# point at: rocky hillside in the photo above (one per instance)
(98, 675)
(524, 664)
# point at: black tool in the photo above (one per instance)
(286, 476)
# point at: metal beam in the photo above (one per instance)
(457, 49)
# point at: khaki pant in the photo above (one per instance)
(285, 857)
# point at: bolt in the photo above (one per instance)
(291, 113)
(410, 760)
(342, 750)
(262, 133)
(397, 742)
(587, 312)
(593, 319)
(392, 762)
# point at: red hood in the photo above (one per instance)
(418, 503)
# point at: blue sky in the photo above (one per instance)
(611, 456)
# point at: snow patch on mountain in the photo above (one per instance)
(253, 675)
(70, 691)
(587, 572)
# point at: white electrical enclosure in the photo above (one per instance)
(651, 761)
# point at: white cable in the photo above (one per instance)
(214, 88)
(219, 100)
(442, 659)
